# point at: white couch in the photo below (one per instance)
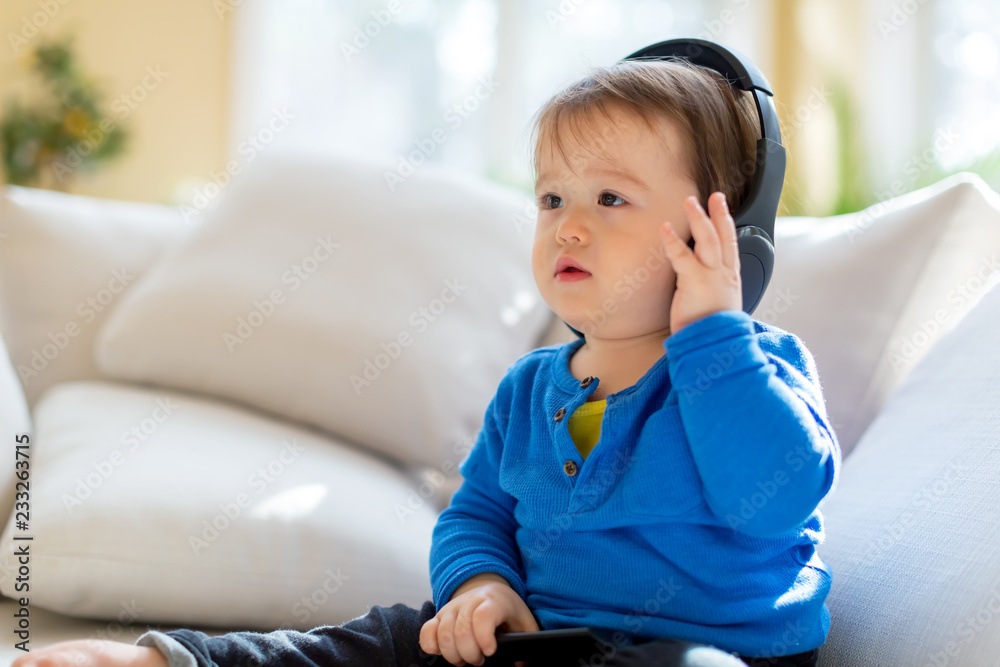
(249, 418)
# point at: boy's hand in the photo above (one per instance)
(92, 653)
(464, 630)
(708, 277)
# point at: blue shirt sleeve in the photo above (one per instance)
(476, 532)
(755, 419)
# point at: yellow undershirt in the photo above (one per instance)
(585, 425)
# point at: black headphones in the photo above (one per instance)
(755, 217)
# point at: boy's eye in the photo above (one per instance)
(546, 201)
(608, 198)
(550, 200)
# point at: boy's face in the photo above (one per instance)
(611, 227)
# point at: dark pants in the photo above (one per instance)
(390, 637)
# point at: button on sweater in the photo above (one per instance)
(695, 516)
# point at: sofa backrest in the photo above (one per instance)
(913, 526)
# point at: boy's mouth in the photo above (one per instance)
(569, 268)
(571, 275)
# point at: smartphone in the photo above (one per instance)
(552, 648)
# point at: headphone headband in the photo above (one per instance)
(760, 207)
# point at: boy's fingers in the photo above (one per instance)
(484, 627)
(703, 231)
(465, 637)
(526, 621)
(677, 251)
(447, 642)
(428, 636)
(727, 232)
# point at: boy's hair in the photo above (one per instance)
(719, 122)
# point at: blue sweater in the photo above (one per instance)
(695, 516)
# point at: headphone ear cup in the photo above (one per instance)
(756, 264)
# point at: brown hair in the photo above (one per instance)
(720, 122)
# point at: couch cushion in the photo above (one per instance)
(870, 292)
(912, 529)
(206, 514)
(65, 261)
(383, 313)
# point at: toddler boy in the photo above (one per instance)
(658, 478)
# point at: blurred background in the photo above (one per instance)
(166, 101)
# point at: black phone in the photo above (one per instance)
(553, 648)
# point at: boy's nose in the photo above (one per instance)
(573, 226)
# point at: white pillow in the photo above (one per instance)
(206, 514)
(65, 261)
(408, 303)
(870, 292)
(912, 530)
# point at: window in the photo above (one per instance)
(448, 82)
(966, 101)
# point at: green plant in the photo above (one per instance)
(46, 145)
(854, 191)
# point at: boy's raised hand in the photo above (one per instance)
(464, 630)
(92, 653)
(708, 277)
